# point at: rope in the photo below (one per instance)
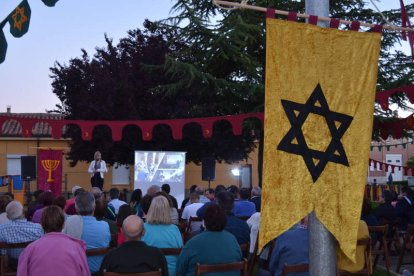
(379, 11)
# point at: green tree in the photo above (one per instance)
(228, 47)
(123, 82)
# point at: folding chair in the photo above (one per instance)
(392, 233)
(382, 248)
(204, 268)
(294, 268)
(253, 258)
(245, 248)
(188, 234)
(5, 270)
(408, 244)
(150, 273)
(170, 251)
(97, 251)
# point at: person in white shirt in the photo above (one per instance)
(203, 199)
(97, 168)
(115, 202)
(254, 224)
(191, 211)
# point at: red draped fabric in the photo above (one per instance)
(49, 170)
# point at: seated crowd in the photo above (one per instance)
(135, 234)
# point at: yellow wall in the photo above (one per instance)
(78, 175)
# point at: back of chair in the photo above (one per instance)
(4, 269)
(188, 234)
(378, 228)
(4, 245)
(365, 242)
(190, 220)
(97, 251)
(170, 251)
(392, 230)
(379, 233)
(204, 268)
(245, 248)
(407, 245)
(294, 268)
(270, 246)
(381, 229)
(150, 273)
(253, 258)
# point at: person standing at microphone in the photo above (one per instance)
(97, 168)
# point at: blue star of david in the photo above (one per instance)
(294, 141)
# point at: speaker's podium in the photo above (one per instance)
(28, 174)
(208, 169)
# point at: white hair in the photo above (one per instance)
(256, 191)
(97, 193)
(85, 204)
(14, 210)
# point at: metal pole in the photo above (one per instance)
(322, 253)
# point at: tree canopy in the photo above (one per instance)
(123, 82)
(202, 61)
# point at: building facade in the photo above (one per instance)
(390, 151)
(13, 146)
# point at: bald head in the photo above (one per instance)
(133, 228)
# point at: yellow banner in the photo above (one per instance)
(320, 88)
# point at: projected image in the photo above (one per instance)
(157, 168)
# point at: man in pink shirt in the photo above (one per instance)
(55, 253)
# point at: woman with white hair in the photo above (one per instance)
(97, 168)
(160, 231)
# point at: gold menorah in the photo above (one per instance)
(50, 166)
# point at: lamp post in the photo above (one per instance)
(322, 253)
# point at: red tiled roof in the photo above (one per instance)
(41, 129)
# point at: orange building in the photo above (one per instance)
(13, 146)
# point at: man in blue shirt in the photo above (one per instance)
(292, 247)
(243, 207)
(94, 233)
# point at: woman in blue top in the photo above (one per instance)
(213, 246)
(159, 230)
